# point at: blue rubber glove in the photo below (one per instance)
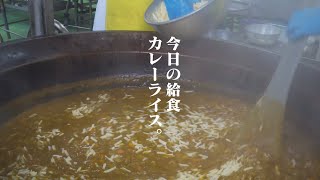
(304, 23)
(178, 8)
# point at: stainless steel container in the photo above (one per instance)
(190, 26)
(238, 7)
(263, 34)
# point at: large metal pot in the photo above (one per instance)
(240, 71)
(190, 26)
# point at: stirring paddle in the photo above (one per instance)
(265, 121)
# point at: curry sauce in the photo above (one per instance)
(106, 134)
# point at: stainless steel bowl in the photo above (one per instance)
(238, 7)
(190, 26)
(263, 34)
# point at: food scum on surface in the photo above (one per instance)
(106, 135)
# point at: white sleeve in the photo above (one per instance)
(99, 23)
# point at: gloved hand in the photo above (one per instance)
(304, 23)
(178, 8)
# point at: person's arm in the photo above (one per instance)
(304, 23)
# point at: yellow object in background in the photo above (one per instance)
(127, 15)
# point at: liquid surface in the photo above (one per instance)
(105, 134)
(265, 121)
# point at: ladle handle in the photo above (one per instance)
(280, 84)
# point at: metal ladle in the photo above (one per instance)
(265, 121)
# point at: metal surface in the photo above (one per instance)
(243, 72)
(263, 34)
(36, 17)
(41, 17)
(79, 27)
(190, 26)
(238, 7)
(48, 16)
(59, 27)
